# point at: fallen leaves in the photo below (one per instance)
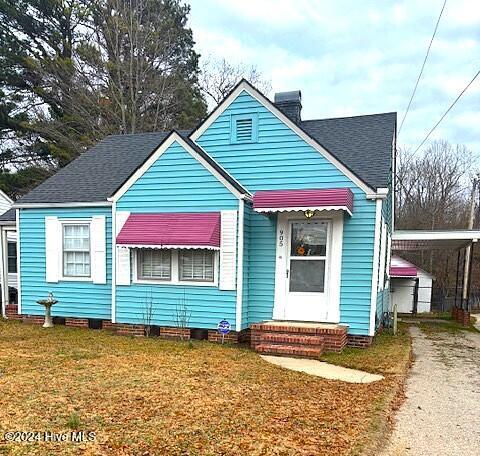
(150, 397)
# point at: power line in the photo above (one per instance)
(447, 111)
(423, 66)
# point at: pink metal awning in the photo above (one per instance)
(302, 200)
(172, 230)
(402, 268)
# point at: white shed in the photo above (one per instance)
(403, 277)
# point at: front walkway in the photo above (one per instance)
(441, 414)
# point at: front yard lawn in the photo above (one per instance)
(153, 397)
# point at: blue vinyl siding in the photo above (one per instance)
(176, 182)
(75, 299)
(282, 160)
(262, 267)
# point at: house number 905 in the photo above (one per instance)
(280, 238)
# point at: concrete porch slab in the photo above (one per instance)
(323, 369)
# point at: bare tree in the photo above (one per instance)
(148, 313)
(182, 316)
(432, 188)
(218, 77)
(432, 193)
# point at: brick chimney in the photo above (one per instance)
(290, 103)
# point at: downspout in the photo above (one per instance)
(375, 265)
(19, 281)
(114, 262)
(241, 221)
(4, 282)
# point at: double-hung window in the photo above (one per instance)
(174, 266)
(155, 264)
(196, 265)
(12, 257)
(76, 250)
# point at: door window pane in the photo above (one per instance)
(307, 276)
(309, 239)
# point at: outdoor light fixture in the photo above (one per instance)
(309, 213)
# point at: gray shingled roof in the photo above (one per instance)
(362, 143)
(8, 216)
(98, 172)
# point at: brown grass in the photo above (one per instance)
(390, 356)
(147, 396)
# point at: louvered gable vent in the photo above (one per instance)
(244, 128)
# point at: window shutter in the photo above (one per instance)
(53, 249)
(123, 265)
(228, 250)
(98, 249)
(122, 254)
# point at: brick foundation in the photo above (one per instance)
(173, 333)
(76, 322)
(231, 338)
(33, 319)
(125, 329)
(11, 311)
(108, 325)
(359, 341)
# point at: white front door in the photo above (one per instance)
(307, 270)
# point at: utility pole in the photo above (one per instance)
(467, 264)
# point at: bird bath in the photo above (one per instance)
(48, 303)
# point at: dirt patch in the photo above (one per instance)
(440, 414)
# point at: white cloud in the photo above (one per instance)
(462, 12)
(352, 58)
(374, 16)
(399, 14)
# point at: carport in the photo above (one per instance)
(461, 241)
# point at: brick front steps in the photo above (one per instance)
(307, 340)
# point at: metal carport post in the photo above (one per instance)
(418, 240)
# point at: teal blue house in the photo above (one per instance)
(257, 217)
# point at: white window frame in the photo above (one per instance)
(9, 243)
(63, 277)
(159, 279)
(175, 271)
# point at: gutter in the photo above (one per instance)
(381, 193)
(50, 205)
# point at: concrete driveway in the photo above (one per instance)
(441, 415)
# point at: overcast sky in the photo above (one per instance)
(353, 57)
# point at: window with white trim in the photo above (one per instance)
(196, 265)
(76, 250)
(154, 264)
(12, 257)
(177, 266)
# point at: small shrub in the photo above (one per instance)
(73, 421)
